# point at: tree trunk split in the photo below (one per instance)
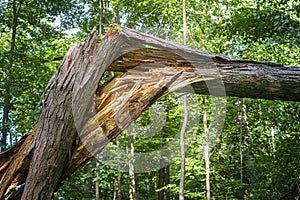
(79, 117)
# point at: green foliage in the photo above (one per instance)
(81, 185)
(38, 42)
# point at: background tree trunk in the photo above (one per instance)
(182, 148)
(161, 178)
(162, 171)
(206, 152)
(7, 98)
(185, 118)
(119, 170)
(100, 16)
(97, 191)
(132, 187)
(167, 181)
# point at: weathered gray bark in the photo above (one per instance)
(153, 67)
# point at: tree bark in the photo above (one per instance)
(97, 193)
(100, 16)
(76, 121)
(185, 117)
(206, 153)
(132, 186)
(162, 170)
(182, 148)
(167, 181)
(119, 170)
(161, 178)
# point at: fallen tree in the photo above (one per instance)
(80, 113)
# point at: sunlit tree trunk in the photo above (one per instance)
(132, 186)
(241, 150)
(182, 148)
(97, 192)
(206, 152)
(185, 118)
(184, 22)
(206, 142)
(114, 188)
(243, 143)
(100, 16)
(119, 171)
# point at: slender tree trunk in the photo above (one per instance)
(137, 193)
(97, 192)
(88, 182)
(114, 189)
(241, 148)
(162, 171)
(7, 97)
(203, 39)
(161, 177)
(206, 153)
(132, 187)
(184, 22)
(117, 15)
(148, 187)
(119, 171)
(100, 16)
(182, 148)
(244, 131)
(164, 176)
(119, 187)
(167, 181)
(185, 119)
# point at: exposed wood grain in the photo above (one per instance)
(237, 77)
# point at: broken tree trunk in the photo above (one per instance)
(79, 117)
